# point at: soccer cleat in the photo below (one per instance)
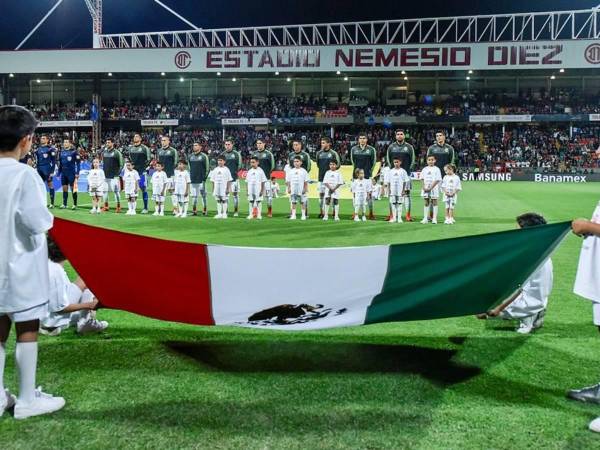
(364, 218)
(144, 211)
(408, 218)
(352, 215)
(218, 216)
(399, 219)
(235, 214)
(595, 425)
(50, 206)
(182, 215)
(194, 213)
(336, 218)
(224, 216)
(292, 217)
(259, 217)
(356, 218)
(392, 219)
(325, 218)
(303, 217)
(425, 220)
(73, 207)
(93, 211)
(7, 401)
(42, 403)
(525, 325)
(590, 394)
(63, 206)
(434, 221)
(162, 214)
(371, 216)
(91, 325)
(204, 213)
(118, 210)
(538, 321)
(156, 213)
(50, 331)
(250, 216)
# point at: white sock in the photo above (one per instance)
(2, 363)
(294, 212)
(225, 207)
(336, 209)
(356, 208)
(26, 356)
(435, 212)
(326, 209)
(186, 205)
(426, 212)
(399, 210)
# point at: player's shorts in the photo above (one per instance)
(114, 184)
(450, 201)
(433, 194)
(67, 180)
(142, 181)
(220, 191)
(254, 193)
(359, 199)
(335, 195)
(197, 189)
(35, 313)
(321, 187)
(131, 193)
(158, 198)
(169, 184)
(396, 199)
(234, 187)
(298, 198)
(45, 176)
(97, 191)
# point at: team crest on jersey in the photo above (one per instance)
(287, 314)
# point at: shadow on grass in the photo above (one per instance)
(436, 365)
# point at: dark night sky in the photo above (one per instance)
(70, 24)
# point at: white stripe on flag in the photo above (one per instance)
(338, 284)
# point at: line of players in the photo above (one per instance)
(172, 177)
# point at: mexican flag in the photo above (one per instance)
(303, 289)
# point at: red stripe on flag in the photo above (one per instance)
(156, 278)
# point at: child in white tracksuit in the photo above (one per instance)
(24, 220)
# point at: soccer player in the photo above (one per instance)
(69, 303)
(45, 157)
(112, 164)
(199, 168)
(363, 156)
(297, 186)
(140, 157)
(298, 152)
(406, 152)
(256, 180)
(96, 185)
(167, 156)
(159, 186)
(24, 220)
(221, 179)
(233, 161)
(528, 305)
(443, 152)
(375, 189)
(451, 186)
(324, 157)
(361, 187)
(181, 184)
(396, 183)
(131, 180)
(432, 177)
(266, 161)
(332, 180)
(68, 168)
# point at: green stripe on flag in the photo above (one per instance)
(457, 277)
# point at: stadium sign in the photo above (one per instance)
(594, 117)
(160, 123)
(535, 177)
(246, 121)
(65, 123)
(570, 54)
(500, 118)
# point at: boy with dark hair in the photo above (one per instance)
(528, 305)
(24, 284)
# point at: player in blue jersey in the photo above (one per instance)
(68, 169)
(45, 158)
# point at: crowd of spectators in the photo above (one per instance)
(423, 106)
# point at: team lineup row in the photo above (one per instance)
(181, 183)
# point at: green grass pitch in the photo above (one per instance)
(448, 384)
